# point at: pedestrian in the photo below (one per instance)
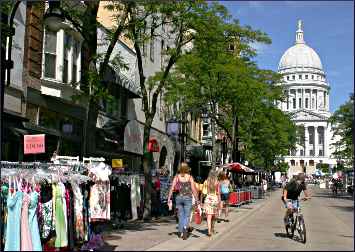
(212, 201)
(184, 184)
(225, 190)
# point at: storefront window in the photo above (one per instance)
(48, 118)
(32, 113)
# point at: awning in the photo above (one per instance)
(238, 167)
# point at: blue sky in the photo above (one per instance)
(328, 28)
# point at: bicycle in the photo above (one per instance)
(296, 222)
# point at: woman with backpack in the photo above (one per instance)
(184, 185)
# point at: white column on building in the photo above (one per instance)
(306, 140)
(316, 146)
(60, 55)
(328, 107)
(325, 142)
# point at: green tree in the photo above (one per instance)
(343, 125)
(229, 83)
(139, 21)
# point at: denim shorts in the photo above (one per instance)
(295, 203)
(224, 196)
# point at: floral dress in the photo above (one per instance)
(211, 202)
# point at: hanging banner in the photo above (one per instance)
(34, 144)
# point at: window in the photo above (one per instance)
(299, 102)
(311, 152)
(152, 42)
(300, 77)
(231, 47)
(205, 130)
(311, 136)
(301, 153)
(312, 77)
(321, 153)
(293, 77)
(306, 77)
(76, 52)
(32, 113)
(287, 103)
(162, 54)
(66, 59)
(288, 77)
(294, 103)
(50, 51)
(48, 118)
(313, 103)
(67, 47)
(306, 103)
(292, 162)
(311, 162)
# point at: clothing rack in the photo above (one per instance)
(93, 160)
(43, 171)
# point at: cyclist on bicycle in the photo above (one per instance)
(291, 193)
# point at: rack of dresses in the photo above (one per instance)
(127, 196)
(43, 206)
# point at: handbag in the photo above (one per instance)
(197, 216)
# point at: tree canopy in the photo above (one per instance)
(342, 126)
(218, 76)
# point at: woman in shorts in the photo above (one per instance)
(225, 186)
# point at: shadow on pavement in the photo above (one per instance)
(107, 247)
(137, 226)
(284, 235)
(344, 208)
(281, 235)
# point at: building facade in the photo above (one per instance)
(307, 101)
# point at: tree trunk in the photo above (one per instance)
(147, 161)
(90, 129)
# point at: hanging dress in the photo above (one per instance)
(13, 227)
(33, 223)
(26, 240)
(78, 212)
(60, 223)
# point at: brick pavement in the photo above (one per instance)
(162, 234)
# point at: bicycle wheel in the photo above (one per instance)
(301, 228)
(289, 228)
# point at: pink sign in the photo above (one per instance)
(34, 144)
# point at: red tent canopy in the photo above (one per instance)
(238, 167)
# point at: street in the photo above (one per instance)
(256, 226)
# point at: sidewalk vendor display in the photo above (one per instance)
(40, 203)
(53, 206)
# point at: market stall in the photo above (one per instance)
(243, 177)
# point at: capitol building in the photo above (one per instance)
(307, 101)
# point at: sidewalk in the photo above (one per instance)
(162, 234)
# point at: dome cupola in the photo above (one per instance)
(300, 57)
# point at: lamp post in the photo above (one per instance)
(173, 130)
(7, 63)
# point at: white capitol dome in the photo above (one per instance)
(300, 55)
